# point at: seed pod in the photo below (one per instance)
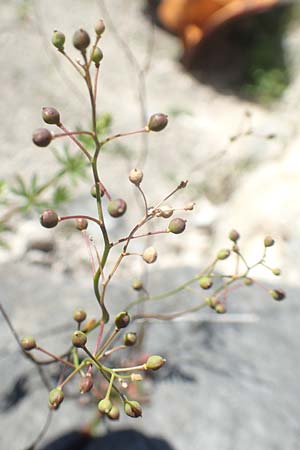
(154, 362)
(28, 343)
(234, 235)
(79, 315)
(150, 255)
(49, 218)
(157, 122)
(122, 320)
(269, 241)
(86, 383)
(129, 339)
(220, 308)
(136, 176)
(223, 253)
(248, 281)
(276, 271)
(99, 27)
(56, 397)
(79, 339)
(81, 39)
(117, 207)
(97, 56)
(206, 282)
(81, 224)
(42, 137)
(94, 191)
(114, 413)
(50, 115)
(177, 225)
(58, 39)
(105, 406)
(277, 294)
(166, 211)
(137, 285)
(133, 408)
(89, 325)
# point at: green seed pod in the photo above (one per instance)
(28, 343)
(117, 207)
(157, 122)
(105, 406)
(136, 176)
(42, 137)
(177, 225)
(81, 40)
(269, 241)
(129, 339)
(56, 397)
(276, 271)
(50, 115)
(94, 192)
(79, 315)
(223, 253)
(154, 362)
(150, 255)
(234, 235)
(97, 56)
(86, 383)
(133, 408)
(49, 218)
(81, 224)
(137, 285)
(79, 339)
(58, 39)
(248, 281)
(99, 27)
(114, 413)
(277, 294)
(212, 302)
(206, 282)
(122, 320)
(220, 308)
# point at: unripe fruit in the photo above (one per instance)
(234, 235)
(99, 27)
(166, 211)
(105, 406)
(177, 225)
(133, 408)
(51, 115)
(223, 253)
(117, 207)
(79, 315)
(122, 320)
(269, 241)
(97, 56)
(42, 137)
(86, 383)
(212, 302)
(136, 176)
(81, 224)
(58, 39)
(277, 294)
(89, 325)
(79, 339)
(154, 362)
(56, 397)
(220, 308)
(137, 285)
(129, 339)
(157, 122)
(205, 282)
(114, 413)
(150, 255)
(49, 218)
(81, 39)
(28, 343)
(248, 281)
(276, 271)
(94, 192)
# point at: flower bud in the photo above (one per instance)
(136, 377)
(28, 343)
(86, 383)
(117, 207)
(49, 218)
(137, 285)
(50, 115)
(220, 308)
(89, 325)
(150, 255)
(223, 253)
(154, 362)
(129, 339)
(234, 235)
(99, 27)
(114, 413)
(189, 207)
(79, 339)
(276, 271)
(105, 406)
(177, 225)
(97, 56)
(122, 320)
(248, 281)
(136, 176)
(58, 39)
(133, 408)
(81, 224)
(94, 191)
(166, 211)
(277, 294)
(205, 282)
(157, 122)
(269, 241)
(79, 315)
(42, 137)
(56, 397)
(81, 39)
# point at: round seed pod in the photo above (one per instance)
(50, 115)
(129, 339)
(155, 362)
(81, 224)
(137, 285)
(49, 218)
(114, 413)
(206, 282)
(99, 27)
(157, 122)
(136, 176)
(269, 241)
(97, 56)
(58, 39)
(56, 397)
(234, 235)
(117, 207)
(42, 137)
(81, 39)
(220, 308)
(94, 192)
(28, 343)
(248, 281)
(276, 271)
(105, 406)
(223, 253)
(79, 315)
(177, 225)
(150, 255)
(277, 294)
(122, 320)
(79, 339)
(166, 211)
(133, 408)
(86, 383)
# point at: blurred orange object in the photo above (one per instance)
(193, 20)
